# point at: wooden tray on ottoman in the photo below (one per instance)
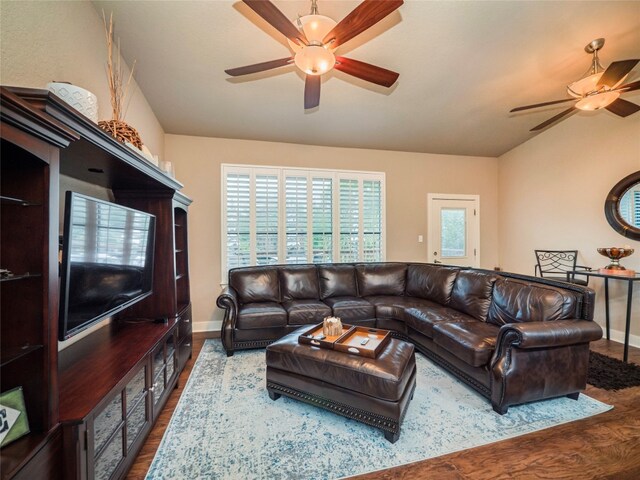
(351, 342)
(307, 337)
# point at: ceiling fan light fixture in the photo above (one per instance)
(584, 86)
(314, 27)
(315, 60)
(598, 101)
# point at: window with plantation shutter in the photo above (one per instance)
(349, 220)
(266, 219)
(322, 222)
(237, 214)
(636, 209)
(294, 215)
(372, 220)
(296, 218)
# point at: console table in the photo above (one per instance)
(630, 281)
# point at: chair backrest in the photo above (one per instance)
(555, 262)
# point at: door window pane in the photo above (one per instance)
(453, 232)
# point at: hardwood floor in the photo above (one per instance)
(606, 446)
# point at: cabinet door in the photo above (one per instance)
(158, 375)
(118, 428)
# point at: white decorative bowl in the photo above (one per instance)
(82, 100)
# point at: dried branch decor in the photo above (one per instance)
(119, 90)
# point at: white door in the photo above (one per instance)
(453, 229)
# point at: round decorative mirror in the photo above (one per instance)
(622, 207)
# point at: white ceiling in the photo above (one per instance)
(463, 65)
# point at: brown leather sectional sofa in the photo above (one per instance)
(513, 338)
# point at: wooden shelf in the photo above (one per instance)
(18, 453)
(17, 202)
(11, 354)
(20, 277)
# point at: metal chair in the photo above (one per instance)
(554, 264)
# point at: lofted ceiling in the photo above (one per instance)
(463, 65)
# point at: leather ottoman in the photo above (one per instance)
(375, 391)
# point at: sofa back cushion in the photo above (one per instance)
(259, 284)
(431, 282)
(472, 293)
(337, 281)
(381, 279)
(516, 301)
(299, 282)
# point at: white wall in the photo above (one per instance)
(552, 193)
(65, 41)
(409, 178)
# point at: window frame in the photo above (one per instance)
(282, 172)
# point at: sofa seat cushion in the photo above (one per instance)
(261, 315)
(381, 279)
(423, 319)
(473, 342)
(517, 301)
(391, 306)
(304, 312)
(351, 309)
(385, 377)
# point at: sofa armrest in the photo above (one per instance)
(228, 300)
(537, 360)
(549, 334)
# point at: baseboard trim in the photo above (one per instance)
(618, 336)
(211, 326)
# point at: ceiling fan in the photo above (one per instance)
(598, 88)
(315, 39)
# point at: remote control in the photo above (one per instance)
(364, 342)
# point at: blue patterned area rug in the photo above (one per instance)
(226, 427)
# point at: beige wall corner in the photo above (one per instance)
(409, 178)
(64, 41)
(552, 193)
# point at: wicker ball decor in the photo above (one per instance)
(121, 131)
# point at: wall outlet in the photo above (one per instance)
(420, 239)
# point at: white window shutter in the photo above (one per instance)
(372, 220)
(296, 219)
(237, 212)
(349, 219)
(322, 221)
(266, 219)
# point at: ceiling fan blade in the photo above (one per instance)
(553, 119)
(366, 71)
(527, 107)
(365, 15)
(259, 67)
(274, 17)
(629, 87)
(615, 72)
(312, 91)
(622, 108)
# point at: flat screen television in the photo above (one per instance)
(107, 261)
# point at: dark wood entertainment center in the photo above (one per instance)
(91, 405)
